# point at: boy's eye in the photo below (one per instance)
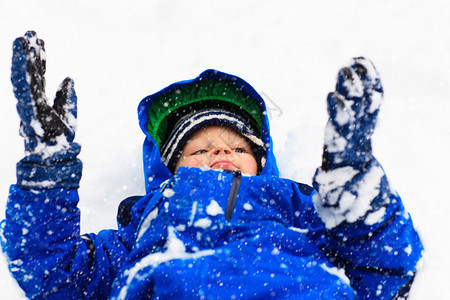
(202, 151)
(239, 150)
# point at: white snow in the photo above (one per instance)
(333, 179)
(354, 87)
(367, 190)
(335, 142)
(118, 53)
(375, 217)
(301, 230)
(193, 212)
(214, 209)
(377, 99)
(344, 114)
(350, 207)
(408, 250)
(147, 222)
(336, 271)
(17, 262)
(248, 206)
(203, 223)
(44, 183)
(168, 193)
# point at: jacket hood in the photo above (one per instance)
(157, 111)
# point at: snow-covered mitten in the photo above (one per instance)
(51, 155)
(351, 185)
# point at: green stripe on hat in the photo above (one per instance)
(222, 94)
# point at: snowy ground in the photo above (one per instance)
(120, 51)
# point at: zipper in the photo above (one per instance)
(231, 202)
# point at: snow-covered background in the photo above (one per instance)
(120, 51)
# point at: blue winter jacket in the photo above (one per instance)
(205, 234)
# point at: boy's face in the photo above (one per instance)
(218, 148)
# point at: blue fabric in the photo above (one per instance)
(61, 170)
(175, 242)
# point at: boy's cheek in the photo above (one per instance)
(192, 161)
(250, 165)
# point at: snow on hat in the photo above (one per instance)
(189, 124)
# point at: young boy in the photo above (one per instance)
(217, 221)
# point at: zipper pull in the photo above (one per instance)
(232, 196)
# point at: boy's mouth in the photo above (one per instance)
(223, 164)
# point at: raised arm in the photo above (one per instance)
(369, 232)
(40, 235)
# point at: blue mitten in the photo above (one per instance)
(351, 185)
(48, 131)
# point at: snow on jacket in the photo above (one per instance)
(205, 234)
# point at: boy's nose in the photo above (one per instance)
(222, 148)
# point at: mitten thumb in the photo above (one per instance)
(65, 105)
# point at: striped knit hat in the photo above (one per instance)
(190, 123)
(172, 115)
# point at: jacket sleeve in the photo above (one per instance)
(380, 259)
(369, 234)
(47, 255)
(41, 234)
